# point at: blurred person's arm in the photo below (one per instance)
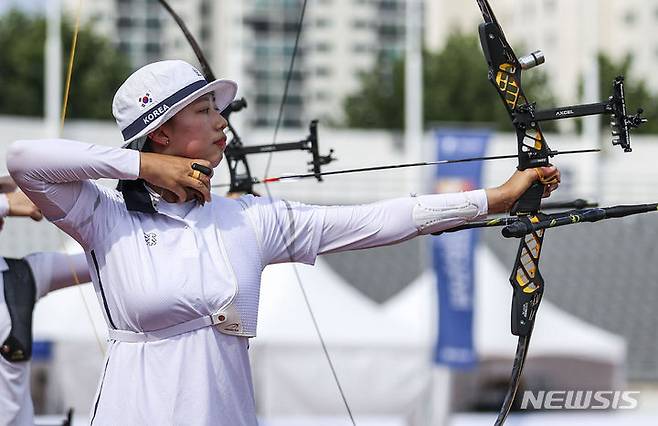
(15, 203)
(54, 271)
(19, 205)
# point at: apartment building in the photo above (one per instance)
(568, 33)
(252, 41)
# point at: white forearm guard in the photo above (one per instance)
(438, 212)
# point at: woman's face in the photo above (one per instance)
(197, 131)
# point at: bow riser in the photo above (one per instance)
(526, 280)
(505, 75)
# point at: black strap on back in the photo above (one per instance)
(135, 195)
(20, 296)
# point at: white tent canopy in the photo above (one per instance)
(382, 353)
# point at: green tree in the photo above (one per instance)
(456, 89)
(98, 69)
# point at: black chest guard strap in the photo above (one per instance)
(20, 297)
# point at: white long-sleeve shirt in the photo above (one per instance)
(51, 271)
(153, 271)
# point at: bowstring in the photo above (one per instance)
(289, 248)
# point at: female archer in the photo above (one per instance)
(177, 269)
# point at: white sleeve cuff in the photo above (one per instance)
(438, 212)
(132, 165)
(4, 206)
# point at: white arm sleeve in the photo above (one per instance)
(393, 221)
(53, 271)
(52, 172)
(286, 231)
(297, 232)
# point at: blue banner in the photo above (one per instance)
(42, 350)
(453, 253)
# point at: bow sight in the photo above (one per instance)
(505, 74)
(236, 152)
(620, 122)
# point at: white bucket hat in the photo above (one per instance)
(156, 92)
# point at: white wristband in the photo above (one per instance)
(438, 212)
